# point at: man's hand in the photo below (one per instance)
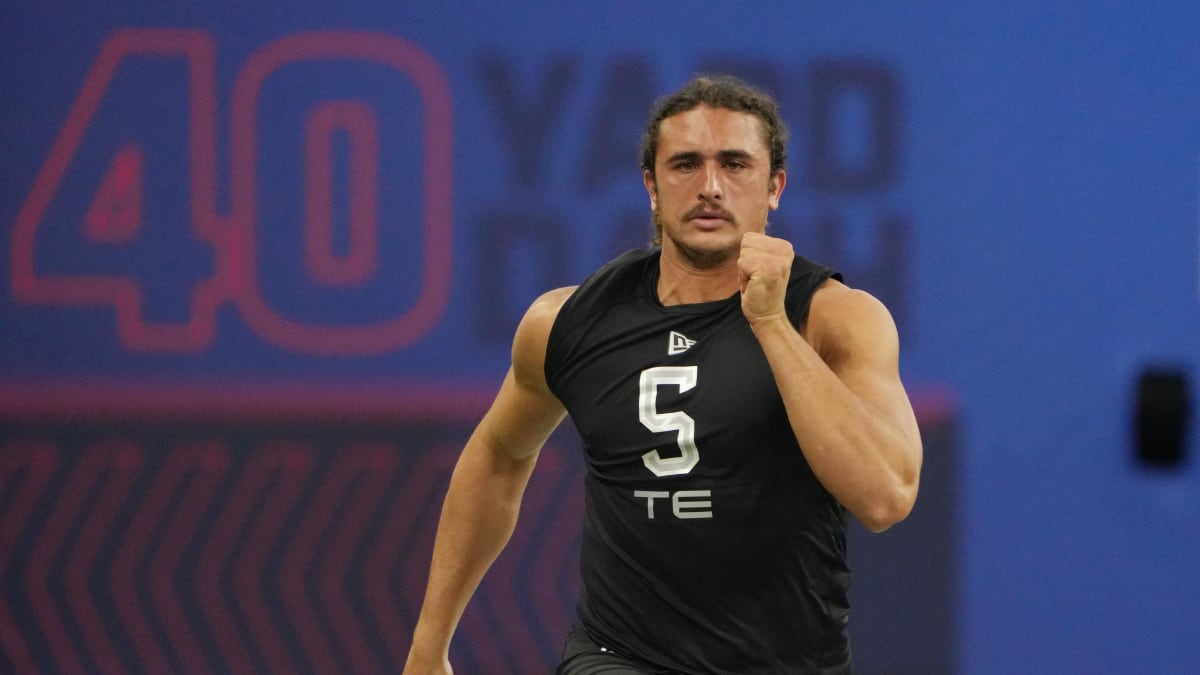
(764, 265)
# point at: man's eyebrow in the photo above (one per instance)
(688, 156)
(726, 155)
(723, 155)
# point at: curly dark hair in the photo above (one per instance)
(719, 91)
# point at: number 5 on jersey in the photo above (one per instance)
(684, 426)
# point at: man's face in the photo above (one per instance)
(712, 183)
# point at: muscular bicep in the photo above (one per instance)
(857, 338)
(525, 411)
(520, 419)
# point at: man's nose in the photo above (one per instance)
(711, 187)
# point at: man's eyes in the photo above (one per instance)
(688, 165)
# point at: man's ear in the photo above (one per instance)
(651, 188)
(776, 188)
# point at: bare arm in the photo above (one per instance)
(484, 497)
(841, 386)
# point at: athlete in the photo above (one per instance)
(734, 402)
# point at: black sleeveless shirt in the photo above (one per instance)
(708, 544)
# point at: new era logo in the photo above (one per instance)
(679, 343)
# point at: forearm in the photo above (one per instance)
(866, 460)
(477, 519)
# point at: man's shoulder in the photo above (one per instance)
(546, 307)
(624, 270)
(615, 281)
(630, 266)
(836, 301)
(843, 318)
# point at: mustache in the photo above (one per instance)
(705, 211)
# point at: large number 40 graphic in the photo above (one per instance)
(116, 210)
(678, 421)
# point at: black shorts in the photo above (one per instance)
(583, 656)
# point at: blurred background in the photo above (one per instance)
(262, 263)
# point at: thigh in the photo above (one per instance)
(582, 656)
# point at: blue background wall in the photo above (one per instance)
(1018, 181)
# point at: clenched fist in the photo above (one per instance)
(764, 265)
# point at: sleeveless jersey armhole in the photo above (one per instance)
(807, 276)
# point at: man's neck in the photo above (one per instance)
(681, 283)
